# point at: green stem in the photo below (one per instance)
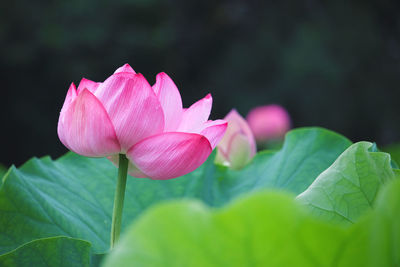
(119, 199)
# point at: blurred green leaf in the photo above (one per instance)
(262, 229)
(394, 151)
(375, 240)
(349, 187)
(73, 196)
(54, 251)
(257, 230)
(3, 171)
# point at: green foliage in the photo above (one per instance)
(375, 239)
(305, 154)
(53, 251)
(262, 229)
(72, 197)
(349, 187)
(3, 171)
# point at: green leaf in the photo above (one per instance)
(376, 238)
(3, 171)
(54, 251)
(349, 187)
(262, 229)
(393, 163)
(73, 195)
(253, 231)
(305, 154)
(394, 151)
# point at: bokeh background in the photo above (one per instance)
(334, 64)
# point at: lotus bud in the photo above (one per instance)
(269, 122)
(238, 146)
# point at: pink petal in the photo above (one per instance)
(240, 152)
(132, 106)
(85, 128)
(170, 99)
(236, 123)
(132, 169)
(170, 155)
(125, 68)
(71, 95)
(88, 84)
(197, 114)
(214, 131)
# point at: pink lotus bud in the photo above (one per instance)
(124, 114)
(238, 146)
(268, 122)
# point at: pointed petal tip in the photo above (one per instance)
(141, 79)
(139, 75)
(197, 114)
(88, 84)
(161, 75)
(71, 95)
(84, 80)
(233, 113)
(162, 79)
(72, 86)
(125, 68)
(170, 100)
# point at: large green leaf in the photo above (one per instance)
(263, 229)
(376, 238)
(73, 195)
(304, 155)
(252, 231)
(54, 251)
(349, 187)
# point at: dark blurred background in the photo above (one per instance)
(334, 64)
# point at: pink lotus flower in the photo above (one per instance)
(125, 115)
(268, 122)
(238, 146)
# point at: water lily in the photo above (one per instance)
(143, 129)
(125, 115)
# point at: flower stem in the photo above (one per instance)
(119, 199)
